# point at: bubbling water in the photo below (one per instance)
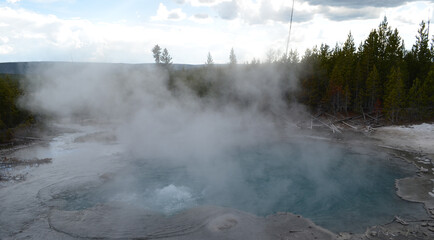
(344, 191)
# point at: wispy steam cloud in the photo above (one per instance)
(151, 120)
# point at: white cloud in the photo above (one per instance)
(257, 27)
(37, 37)
(164, 14)
(228, 10)
(6, 49)
(4, 39)
(37, 1)
(202, 3)
(344, 13)
(358, 3)
(201, 18)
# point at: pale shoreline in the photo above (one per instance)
(414, 138)
(417, 141)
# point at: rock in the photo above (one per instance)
(223, 222)
(400, 221)
(344, 236)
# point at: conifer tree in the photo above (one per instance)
(395, 95)
(166, 59)
(348, 59)
(372, 88)
(156, 51)
(416, 99)
(422, 52)
(209, 60)
(232, 57)
(358, 88)
(428, 93)
(335, 89)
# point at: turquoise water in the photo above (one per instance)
(338, 189)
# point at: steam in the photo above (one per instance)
(176, 127)
(96, 91)
(154, 122)
(223, 146)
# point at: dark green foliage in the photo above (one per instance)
(395, 98)
(416, 100)
(314, 78)
(379, 76)
(427, 93)
(421, 52)
(372, 89)
(156, 52)
(166, 59)
(10, 114)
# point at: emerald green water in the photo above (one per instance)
(338, 189)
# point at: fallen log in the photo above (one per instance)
(331, 126)
(355, 128)
(348, 118)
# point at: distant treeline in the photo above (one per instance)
(11, 115)
(379, 75)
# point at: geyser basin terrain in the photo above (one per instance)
(337, 188)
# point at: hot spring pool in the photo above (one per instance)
(338, 189)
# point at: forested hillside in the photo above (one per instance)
(10, 114)
(378, 75)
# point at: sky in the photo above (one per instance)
(125, 31)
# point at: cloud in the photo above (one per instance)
(6, 49)
(174, 16)
(207, 1)
(201, 16)
(281, 14)
(264, 11)
(228, 10)
(261, 12)
(36, 37)
(359, 3)
(256, 26)
(202, 3)
(164, 14)
(343, 13)
(12, 1)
